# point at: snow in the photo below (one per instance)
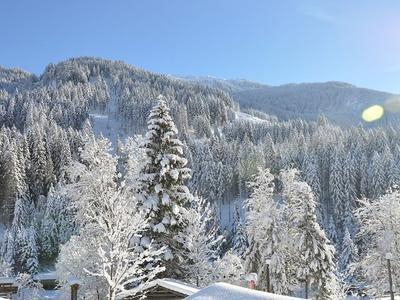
(7, 280)
(225, 212)
(40, 277)
(174, 285)
(241, 116)
(46, 276)
(221, 291)
(106, 123)
(54, 294)
(159, 228)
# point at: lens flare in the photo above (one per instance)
(372, 113)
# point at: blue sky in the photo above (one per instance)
(273, 42)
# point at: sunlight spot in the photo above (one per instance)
(372, 113)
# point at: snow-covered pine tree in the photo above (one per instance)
(351, 195)
(38, 171)
(27, 288)
(376, 177)
(336, 187)
(239, 240)
(131, 158)
(394, 170)
(387, 161)
(348, 256)
(270, 155)
(15, 179)
(5, 268)
(267, 254)
(331, 231)
(315, 261)
(106, 254)
(379, 222)
(162, 191)
(30, 252)
(22, 250)
(201, 243)
(19, 248)
(228, 269)
(58, 223)
(311, 176)
(250, 159)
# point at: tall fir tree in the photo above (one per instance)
(379, 221)
(310, 175)
(201, 242)
(20, 249)
(348, 256)
(349, 202)
(331, 231)
(315, 264)
(337, 185)
(239, 239)
(57, 224)
(376, 176)
(163, 194)
(268, 253)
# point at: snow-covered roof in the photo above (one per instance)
(174, 285)
(45, 276)
(7, 280)
(222, 291)
(39, 277)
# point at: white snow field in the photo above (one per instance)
(106, 123)
(222, 291)
(242, 116)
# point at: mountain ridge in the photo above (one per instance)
(341, 102)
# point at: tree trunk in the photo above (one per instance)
(390, 279)
(306, 288)
(268, 280)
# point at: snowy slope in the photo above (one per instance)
(241, 116)
(107, 123)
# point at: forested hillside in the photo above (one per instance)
(341, 102)
(46, 122)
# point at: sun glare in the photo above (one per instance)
(372, 113)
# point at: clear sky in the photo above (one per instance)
(269, 41)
